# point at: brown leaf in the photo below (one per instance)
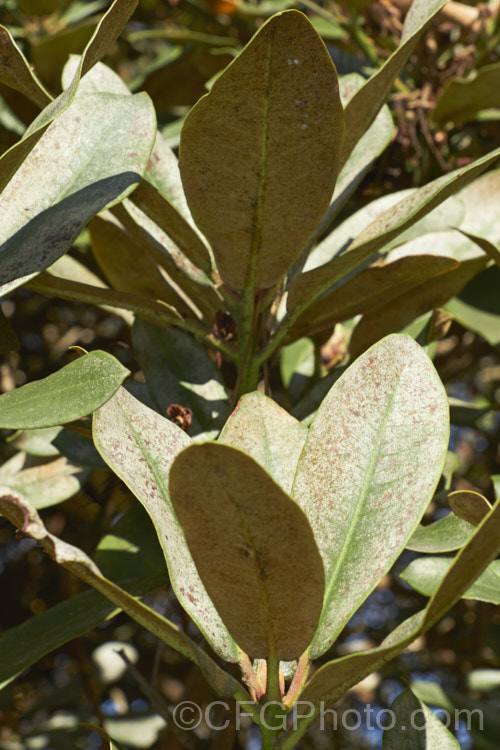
(253, 548)
(259, 154)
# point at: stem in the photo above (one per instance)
(273, 718)
(363, 41)
(248, 372)
(273, 692)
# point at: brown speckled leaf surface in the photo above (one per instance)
(259, 154)
(368, 470)
(140, 446)
(253, 548)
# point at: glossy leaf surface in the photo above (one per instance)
(103, 143)
(244, 532)
(371, 462)
(259, 154)
(139, 445)
(75, 390)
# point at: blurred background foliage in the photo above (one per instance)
(446, 109)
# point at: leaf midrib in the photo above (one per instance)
(257, 222)
(264, 596)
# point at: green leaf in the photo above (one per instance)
(271, 436)
(307, 407)
(103, 39)
(75, 390)
(484, 323)
(162, 172)
(129, 549)
(49, 200)
(413, 726)
(55, 441)
(118, 302)
(478, 307)
(325, 28)
(15, 71)
(381, 232)
(246, 553)
(46, 484)
(297, 365)
(139, 445)
(258, 194)
(179, 370)
(466, 413)
(38, 442)
(125, 555)
(470, 506)
(462, 98)
(164, 250)
(495, 479)
(101, 79)
(484, 679)
(366, 103)
(447, 534)
(427, 573)
(370, 465)
(480, 200)
(342, 235)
